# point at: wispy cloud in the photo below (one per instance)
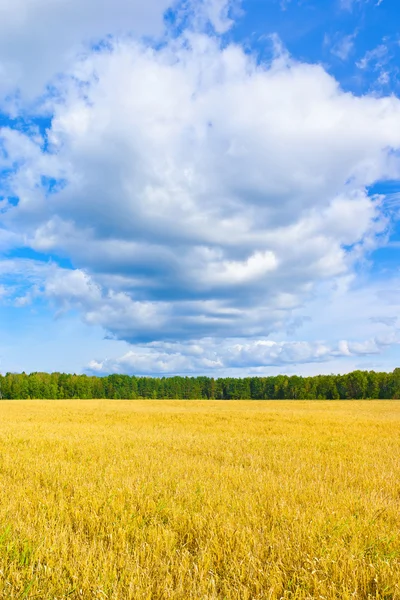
(375, 58)
(348, 5)
(382, 62)
(341, 45)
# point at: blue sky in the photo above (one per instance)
(199, 187)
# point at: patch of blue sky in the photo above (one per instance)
(342, 36)
(30, 254)
(384, 261)
(52, 185)
(27, 123)
(6, 173)
(389, 191)
(388, 188)
(49, 344)
(13, 200)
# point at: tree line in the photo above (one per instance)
(355, 385)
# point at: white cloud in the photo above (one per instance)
(302, 351)
(384, 78)
(375, 58)
(216, 358)
(342, 46)
(367, 311)
(204, 195)
(382, 62)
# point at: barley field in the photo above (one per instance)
(199, 500)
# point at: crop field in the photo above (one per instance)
(199, 500)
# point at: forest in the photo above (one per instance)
(355, 385)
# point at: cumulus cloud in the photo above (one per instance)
(135, 320)
(199, 194)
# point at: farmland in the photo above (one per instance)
(199, 499)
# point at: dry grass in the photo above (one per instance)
(202, 500)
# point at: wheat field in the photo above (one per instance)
(199, 500)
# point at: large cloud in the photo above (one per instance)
(197, 192)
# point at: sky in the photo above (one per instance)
(200, 186)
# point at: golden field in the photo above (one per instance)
(199, 500)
